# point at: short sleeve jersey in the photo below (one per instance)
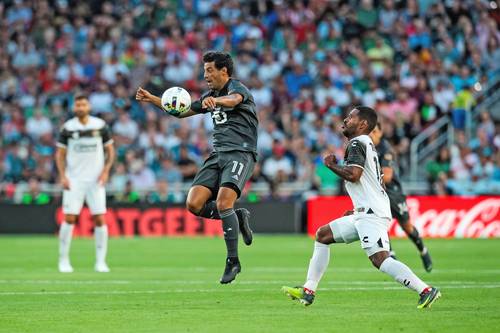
(234, 128)
(366, 193)
(84, 145)
(387, 159)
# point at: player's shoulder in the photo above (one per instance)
(361, 140)
(70, 124)
(96, 122)
(235, 84)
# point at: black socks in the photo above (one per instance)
(415, 237)
(210, 211)
(231, 230)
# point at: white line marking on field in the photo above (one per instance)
(185, 282)
(232, 290)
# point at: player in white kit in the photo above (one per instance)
(368, 221)
(84, 158)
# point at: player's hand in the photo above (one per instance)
(103, 178)
(209, 103)
(348, 212)
(143, 95)
(65, 182)
(330, 160)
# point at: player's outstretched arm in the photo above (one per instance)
(143, 95)
(350, 173)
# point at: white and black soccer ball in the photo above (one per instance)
(176, 100)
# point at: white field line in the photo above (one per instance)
(277, 270)
(232, 290)
(191, 282)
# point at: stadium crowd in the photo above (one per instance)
(306, 62)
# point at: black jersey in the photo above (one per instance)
(387, 159)
(234, 128)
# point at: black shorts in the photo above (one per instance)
(399, 209)
(229, 169)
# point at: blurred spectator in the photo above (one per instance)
(162, 194)
(34, 196)
(128, 195)
(441, 165)
(38, 125)
(278, 167)
(187, 166)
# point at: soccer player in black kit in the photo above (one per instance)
(393, 188)
(218, 184)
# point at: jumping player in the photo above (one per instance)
(218, 184)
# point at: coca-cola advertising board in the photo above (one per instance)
(435, 217)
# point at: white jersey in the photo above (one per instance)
(367, 194)
(84, 145)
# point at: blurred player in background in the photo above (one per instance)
(368, 221)
(84, 158)
(393, 188)
(218, 184)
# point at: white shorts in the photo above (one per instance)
(370, 229)
(79, 192)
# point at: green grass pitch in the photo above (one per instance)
(171, 285)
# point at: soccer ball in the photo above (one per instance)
(176, 100)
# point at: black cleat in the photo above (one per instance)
(243, 217)
(426, 260)
(232, 269)
(428, 297)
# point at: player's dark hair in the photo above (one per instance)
(220, 59)
(379, 125)
(81, 96)
(368, 114)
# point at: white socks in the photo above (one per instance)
(101, 243)
(403, 274)
(65, 234)
(317, 265)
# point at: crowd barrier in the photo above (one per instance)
(147, 220)
(434, 217)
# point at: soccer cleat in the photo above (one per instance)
(428, 297)
(243, 217)
(426, 260)
(300, 294)
(101, 268)
(232, 269)
(65, 266)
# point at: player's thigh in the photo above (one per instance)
(344, 230)
(237, 168)
(73, 199)
(95, 198)
(372, 233)
(209, 174)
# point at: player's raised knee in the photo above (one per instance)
(324, 235)
(194, 206)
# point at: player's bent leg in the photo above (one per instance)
(404, 275)
(341, 230)
(198, 202)
(414, 236)
(225, 203)
(101, 243)
(65, 235)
